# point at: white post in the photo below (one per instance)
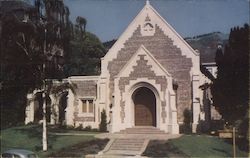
(44, 139)
(44, 124)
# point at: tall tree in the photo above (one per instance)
(56, 38)
(32, 51)
(84, 55)
(81, 23)
(231, 89)
(20, 57)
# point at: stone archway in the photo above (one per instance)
(144, 107)
(38, 107)
(62, 107)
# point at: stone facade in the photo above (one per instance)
(142, 70)
(86, 88)
(168, 55)
(149, 55)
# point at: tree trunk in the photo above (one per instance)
(45, 145)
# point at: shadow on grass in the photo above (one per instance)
(35, 131)
(81, 149)
(157, 148)
(32, 131)
(241, 143)
(222, 151)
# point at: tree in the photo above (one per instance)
(81, 23)
(56, 37)
(103, 123)
(230, 89)
(20, 57)
(84, 55)
(32, 52)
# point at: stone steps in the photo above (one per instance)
(142, 130)
(131, 141)
(126, 147)
(127, 144)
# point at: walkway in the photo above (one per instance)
(130, 142)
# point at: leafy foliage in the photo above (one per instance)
(31, 50)
(103, 123)
(230, 89)
(41, 47)
(81, 24)
(109, 44)
(84, 56)
(186, 126)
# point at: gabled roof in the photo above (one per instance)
(172, 33)
(156, 66)
(149, 12)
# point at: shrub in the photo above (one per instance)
(80, 127)
(103, 123)
(186, 126)
(87, 128)
(94, 130)
(70, 127)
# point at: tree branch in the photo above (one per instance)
(24, 49)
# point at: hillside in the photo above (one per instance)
(206, 44)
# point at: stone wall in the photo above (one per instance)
(167, 54)
(143, 70)
(83, 119)
(86, 88)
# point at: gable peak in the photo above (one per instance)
(147, 18)
(147, 2)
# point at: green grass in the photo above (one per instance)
(63, 129)
(81, 149)
(192, 146)
(205, 146)
(30, 137)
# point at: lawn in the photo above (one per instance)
(81, 149)
(192, 146)
(30, 137)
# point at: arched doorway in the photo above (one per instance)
(145, 107)
(62, 107)
(38, 107)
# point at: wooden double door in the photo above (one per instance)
(145, 107)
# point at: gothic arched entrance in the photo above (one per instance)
(38, 107)
(144, 107)
(62, 107)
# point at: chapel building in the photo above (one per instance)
(150, 77)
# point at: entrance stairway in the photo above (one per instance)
(130, 142)
(142, 130)
(126, 147)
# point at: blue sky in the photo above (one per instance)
(109, 18)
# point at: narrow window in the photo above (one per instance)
(91, 106)
(87, 106)
(84, 106)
